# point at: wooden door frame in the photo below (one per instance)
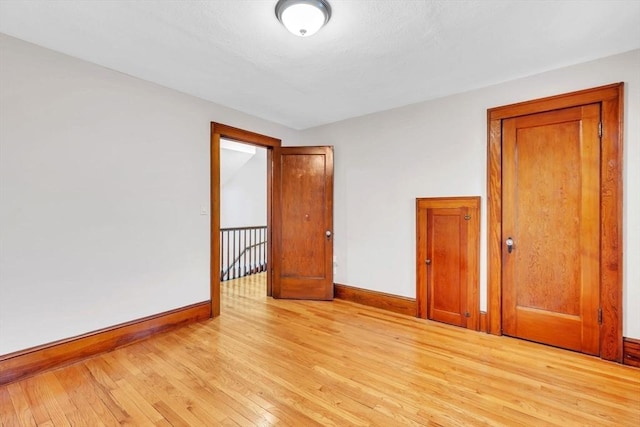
(218, 131)
(473, 246)
(610, 98)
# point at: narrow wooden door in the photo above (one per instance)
(447, 266)
(447, 260)
(551, 227)
(303, 223)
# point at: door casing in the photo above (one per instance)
(224, 131)
(610, 98)
(473, 254)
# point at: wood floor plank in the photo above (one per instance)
(274, 351)
(8, 415)
(44, 406)
(157, 388)
(23, 412)
(213, 379)
(76, 382)
(63, 399)
(309, 363)
(103, 378)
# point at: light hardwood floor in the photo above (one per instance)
(299, 363)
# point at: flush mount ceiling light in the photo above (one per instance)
(303, 17)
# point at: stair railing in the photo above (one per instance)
(243, 251)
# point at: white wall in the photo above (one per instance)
(384, 161)
(102, 177)
(243, 198)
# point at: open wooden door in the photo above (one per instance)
(303, 223)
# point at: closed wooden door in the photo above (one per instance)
(447, 265)
(551, 227)
(447, 260)
(303, 223)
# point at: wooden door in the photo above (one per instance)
(447, 260)
(303, 223)
(447, 266)
(551, 227)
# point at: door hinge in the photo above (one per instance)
(600, 316)
(600, 129)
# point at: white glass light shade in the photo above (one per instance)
(303, 17)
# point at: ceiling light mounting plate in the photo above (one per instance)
(303, 17)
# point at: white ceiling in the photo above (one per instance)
(371, 56)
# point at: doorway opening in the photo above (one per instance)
(219, 132)
(299, 217)
(243, 210)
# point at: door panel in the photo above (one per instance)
(551, 210)
(303, 215)
(447, 268)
